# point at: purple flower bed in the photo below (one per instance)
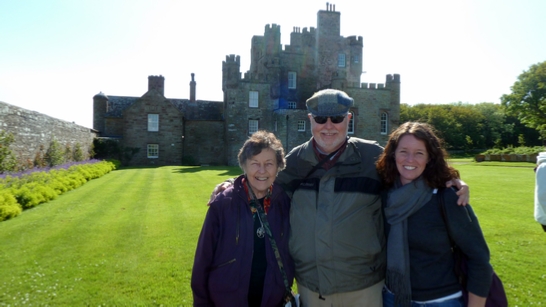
(47, 169)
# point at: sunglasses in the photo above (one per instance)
(335, 119)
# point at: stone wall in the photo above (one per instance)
(33, 130)
(204, 143)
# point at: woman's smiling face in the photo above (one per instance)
(261, 171)
(411, 157)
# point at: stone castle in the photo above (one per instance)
(270, 95)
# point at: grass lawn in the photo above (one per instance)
(128, 238)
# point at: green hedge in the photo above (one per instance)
(522, 150)
(23, 191)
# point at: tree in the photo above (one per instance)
(7, 158)
(528, 98)
(54, 154)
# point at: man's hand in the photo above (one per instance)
(219, 188)
(463, 191)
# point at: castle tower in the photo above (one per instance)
(272, 40)
(100, 103)
(231, 73)
(354, 60)
(156, 83)
(393, 82)
(327, 45)
(192, 88)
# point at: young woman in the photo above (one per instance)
(420, 264)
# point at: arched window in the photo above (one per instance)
(384, 123)
(351, 129)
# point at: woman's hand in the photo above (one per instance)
(475, 301)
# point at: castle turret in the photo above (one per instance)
(355, 59)
(272, 40)
(328, 22)
(393, 82)
(231, 73)
(156, 83)
(192, 88)
(328, 46)
(100, 105)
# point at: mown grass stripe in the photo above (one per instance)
(128, 238)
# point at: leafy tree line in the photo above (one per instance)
(520, 119)
(472, 126)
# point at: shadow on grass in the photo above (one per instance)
(227, 170)
(137, 167)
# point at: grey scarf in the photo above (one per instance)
(402, 202)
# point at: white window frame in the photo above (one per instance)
(253, 126)
(291, 104)
(153, 122)
(152, 151)
(351, 128)
(292, 78)
(253, 99)
(341, 60)
(301, 125)
(384, 122)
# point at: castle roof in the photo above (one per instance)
(101, 94)
(198, 110)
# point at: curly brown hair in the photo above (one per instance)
(436, 173)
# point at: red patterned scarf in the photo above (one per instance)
(267, 199)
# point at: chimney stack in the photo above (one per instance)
(192, 88)
(156, 83)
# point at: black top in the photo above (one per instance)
(259, 263)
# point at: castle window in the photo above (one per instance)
(253, 99)
(153, 151)
(153, 122)
(355, 59)
(276, 127)
(384, 122)
(341, 60)
(351, 129)
(252, 126)
(301, 125)
(292, 80)
(291, 104)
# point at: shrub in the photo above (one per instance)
(35, 186)
(514, 150)
(8, 205)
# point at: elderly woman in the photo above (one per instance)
(420, 265)
(235, 261)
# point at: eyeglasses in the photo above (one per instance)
(335, 119)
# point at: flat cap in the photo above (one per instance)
(329, 102)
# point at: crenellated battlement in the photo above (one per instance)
(232, 58)
(354, 40)
(390, 80)
(273, 28)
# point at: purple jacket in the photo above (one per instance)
(223, 259)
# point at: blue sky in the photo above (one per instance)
(56, 55)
